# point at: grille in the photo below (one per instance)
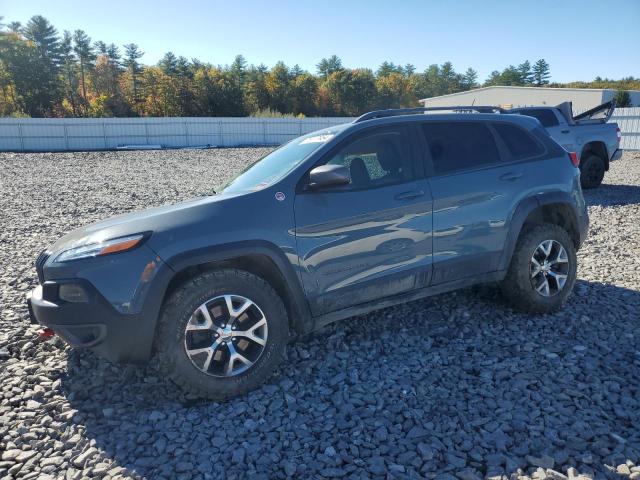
(42, 258)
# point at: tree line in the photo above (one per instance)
(47, 74)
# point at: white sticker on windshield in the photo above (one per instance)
(318, 139)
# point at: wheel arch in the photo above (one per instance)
(598, 148)
(554, 207)
(260, 258)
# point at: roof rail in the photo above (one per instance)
(393, 112)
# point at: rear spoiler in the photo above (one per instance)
(600, 114)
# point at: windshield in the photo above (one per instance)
(279, 162)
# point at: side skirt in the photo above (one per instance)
(368, 307)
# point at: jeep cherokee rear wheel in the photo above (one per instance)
(222, 334)
(542, 270)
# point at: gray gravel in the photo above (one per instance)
(456, 386)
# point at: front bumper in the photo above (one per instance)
(93, 324)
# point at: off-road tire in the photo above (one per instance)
(171, 357)
(517, 286)
(592, 171)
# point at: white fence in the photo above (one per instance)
(60, 134)
(628, 119)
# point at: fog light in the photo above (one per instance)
(70, 292)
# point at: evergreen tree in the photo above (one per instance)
(469, 79)
(132, 55)
(86, 56)
(169, 64)
(69, 66)
(44, 64)
(113, 53)
(622, 99)
(14, 27)
(526, 74)
(278, 86)
(409, 69)
(541, 72)
(330, 65)
(387, 68)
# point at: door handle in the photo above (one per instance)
(410, 195)
(510, 176)
(565, 131)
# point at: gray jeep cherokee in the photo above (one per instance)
(396, 206)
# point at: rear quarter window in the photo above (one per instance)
(519, 142)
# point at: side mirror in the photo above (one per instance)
(328, 176)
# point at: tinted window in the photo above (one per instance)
(545, 116)
(519, 143)
(376, 159)
(458, 146)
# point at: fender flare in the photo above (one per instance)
(302, 321)
(520, 215)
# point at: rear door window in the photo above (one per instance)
(520, 144)
(457, 146)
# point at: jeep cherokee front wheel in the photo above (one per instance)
(222, 334)
(542, 269)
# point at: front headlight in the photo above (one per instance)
(106, 247)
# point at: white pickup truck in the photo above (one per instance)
(595, 141)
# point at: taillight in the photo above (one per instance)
(618, 134)
(574, 158)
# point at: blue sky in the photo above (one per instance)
(581, 39)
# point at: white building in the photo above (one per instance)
(508, 97)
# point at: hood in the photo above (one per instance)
(152, 220)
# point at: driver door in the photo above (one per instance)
(372, 238)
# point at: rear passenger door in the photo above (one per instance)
(478, 171)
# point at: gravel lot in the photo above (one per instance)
(462, 387)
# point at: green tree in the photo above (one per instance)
(255, 94)
(541, 72)
(278, 87)
(330, 65)
(239, 69)
(169, 64)
(622, 99)
(69, 68)
(217, 94)
(303, 93)
(14, 27)
(347, 92)
(45, 64)
(393, 91)
(526, 74)
(131, 56)
(509, 76)
(387, 68)
(84, 51)
(469, 79)
(409, 69)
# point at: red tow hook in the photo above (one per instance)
(46, 333)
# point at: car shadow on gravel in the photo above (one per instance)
(476, 386)
(609, 195)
